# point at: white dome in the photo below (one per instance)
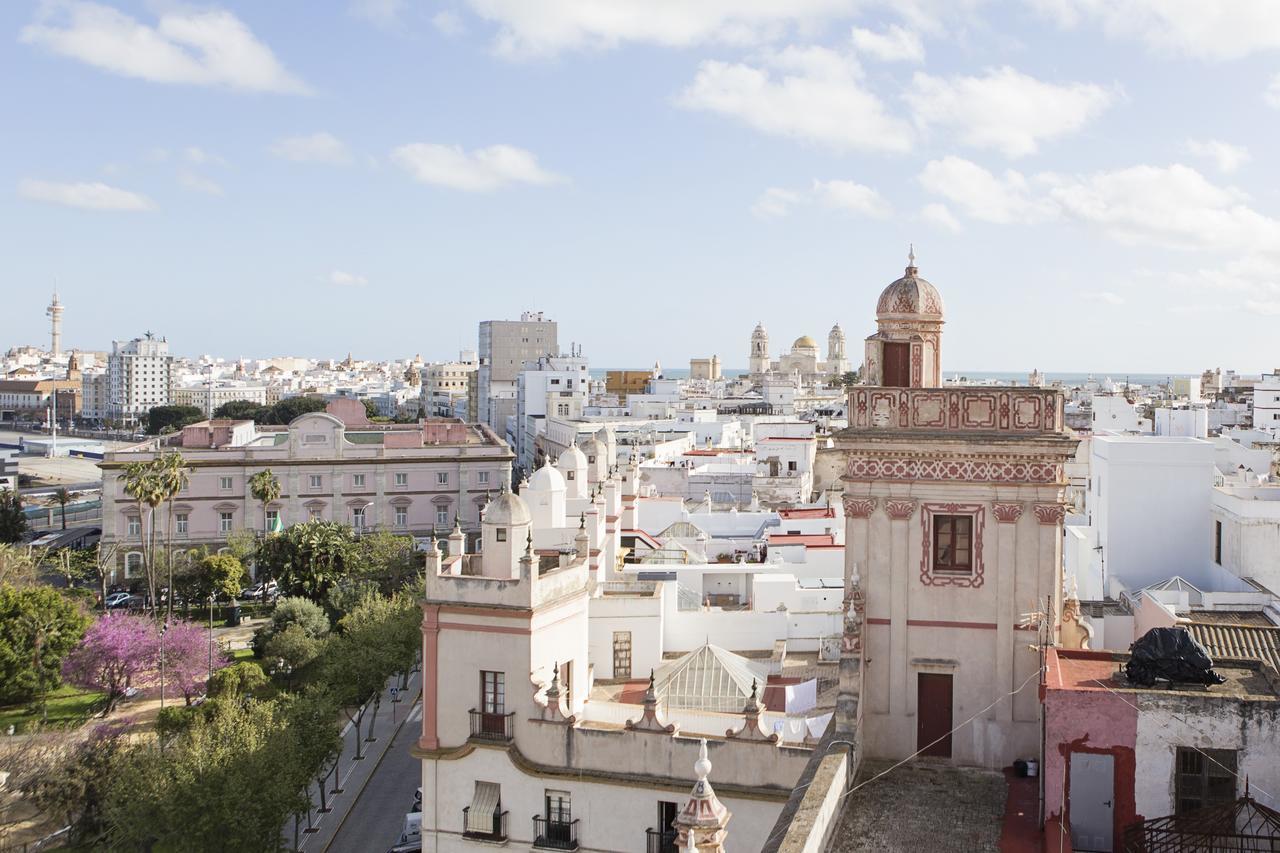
(595, 447)
(572, 459)
(507, 509)
(546, 479)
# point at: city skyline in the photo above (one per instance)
(653, 173)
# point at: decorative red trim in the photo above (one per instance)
(858, 507)
(928, 577)
(863, 468)
(484, 629)
(430, 673)
(1050, 513)
(1007, 513)
(939, 623)
(900, 510)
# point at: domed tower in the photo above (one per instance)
(906, 350)
(573, 467)
(545, 493)
(759, 360)
(505, 527)
(837, 360)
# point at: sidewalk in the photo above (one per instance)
(316, 830)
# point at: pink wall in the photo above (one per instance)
(1082, 716)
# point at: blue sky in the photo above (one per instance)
(1092, 185)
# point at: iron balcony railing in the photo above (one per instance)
(487, 725)
(660, 841)
(498, 831)
(553, 834)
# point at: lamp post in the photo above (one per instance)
(210, 637)
(163, 630)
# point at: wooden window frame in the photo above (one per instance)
(946, 533)
(493, 691)
(1203, 778)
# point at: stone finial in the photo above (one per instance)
(649, 721)
(701, 824)
(751, 720)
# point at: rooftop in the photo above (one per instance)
(922, 806)
(1080, 670)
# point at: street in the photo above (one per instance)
(376, 819)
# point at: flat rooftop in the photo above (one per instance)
(1075, 669)
(922, 807)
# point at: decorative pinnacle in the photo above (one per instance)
(702, 766)
(911, 255)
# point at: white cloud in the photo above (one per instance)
(480, 170)
(1272, 95)
(314, 148)
(448, 23)
(197, 155)
(347, 279)
(813, 94)
(851, 196)
(982, 195)
(1104, 296)
(1204, 30)
(87, 196)
(1005, 109)
(384, 13)
(1225, 156)
(939, 214)
(550, 26)
(1173, 206)
(776, 202)
(895, 44)
(205, 47)
(198, 183)
(1268, 307)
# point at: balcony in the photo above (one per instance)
(495, 832)
(552, 834)
(490, 726)
(660, 841)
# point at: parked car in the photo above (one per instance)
(117, 599)
(260, 591)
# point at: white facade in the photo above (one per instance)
(1266, 403)
(1149, 506)
(1246, 532)
(139, 377)
(550, 385)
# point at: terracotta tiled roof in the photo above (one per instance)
(1238, 641)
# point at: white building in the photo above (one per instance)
(1266, 403)
(139, 377)
(554, 385)
(505, 346)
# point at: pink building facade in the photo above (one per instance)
(411, 479)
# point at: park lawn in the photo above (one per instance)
(69, 707)
(237, 655)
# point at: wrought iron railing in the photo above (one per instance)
(553, 834)
(487, 725)
(660, 841)
(496, 832)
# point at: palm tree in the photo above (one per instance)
(265, 488)
(137, 485)
(172, 476)
(62, 497)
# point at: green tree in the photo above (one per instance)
(265, 488)
(13, 521)
(308, 558)
(172, 476)
(144, 486)
(219, 574)
(240, 410)
(62, 497)
(291, 407)
(162, 419)
(38, 627)
(289, 651)
(293, 611)
(238, 681)
(227, 781)
(371, 409)
(386, 559)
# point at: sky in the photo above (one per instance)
(1092, 185)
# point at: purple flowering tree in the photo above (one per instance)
(186, 659)
(117, 652)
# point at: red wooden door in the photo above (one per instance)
(933, 714)
(897, 365)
